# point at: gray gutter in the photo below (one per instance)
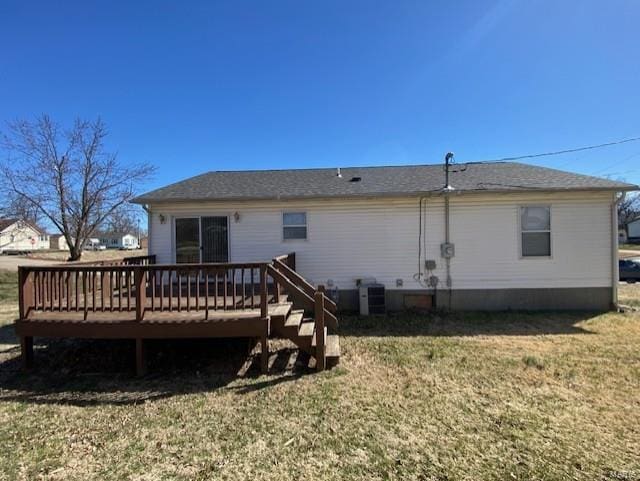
(373, 195)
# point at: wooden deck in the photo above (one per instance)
(124, 325)
(142, 300)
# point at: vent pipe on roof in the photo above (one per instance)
(338, 173)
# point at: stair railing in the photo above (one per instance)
(302, 296)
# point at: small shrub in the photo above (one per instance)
(533, 361)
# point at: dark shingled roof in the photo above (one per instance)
(375, 181)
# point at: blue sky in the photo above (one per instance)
(192, 87)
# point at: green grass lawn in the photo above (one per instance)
(474, 396)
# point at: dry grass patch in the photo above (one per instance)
(474, 396)
(629, 294)
(107, 254)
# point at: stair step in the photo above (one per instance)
(294, 319)
(283, 298)
(333, 346)
(313, 341)
(280, 310)
(307, 329)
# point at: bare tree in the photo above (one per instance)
(125, 219)
(18, 208)
(628, 209)
(67, 175)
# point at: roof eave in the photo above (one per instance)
(148, 200)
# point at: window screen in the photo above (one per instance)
(535, 225)
(294, 225)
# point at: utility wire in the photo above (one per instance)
(557, 152)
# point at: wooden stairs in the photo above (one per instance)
(304, 316)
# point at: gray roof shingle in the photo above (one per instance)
(374, 181)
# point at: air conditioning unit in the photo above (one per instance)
(372, 299)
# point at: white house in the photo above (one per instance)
(21, 236)
(502, 236)
(634, 230)
(58, 242)
(119, 241)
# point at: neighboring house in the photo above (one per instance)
(21, 236)
(58, 242)
(119, 241)
(504, 236)
(93, 244)
(634, 230)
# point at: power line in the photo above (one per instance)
(557, 152)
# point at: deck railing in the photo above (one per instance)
(122, 261)
(139, 286)
(135, 287)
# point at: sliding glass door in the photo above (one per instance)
(188, 240)
(202, 239)
(215, 239)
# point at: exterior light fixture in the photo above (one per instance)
(236, 217)
(162, 218)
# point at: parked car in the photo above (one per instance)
(629, 270)
(94, 245)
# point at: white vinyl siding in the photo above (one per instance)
(356, 238)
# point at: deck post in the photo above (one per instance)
(264, 315)
(141, 365)
(264, 354)
(276, 292)
(263, 291)
(319, 328)
(26, 348)
(141, 292)
(25, 291)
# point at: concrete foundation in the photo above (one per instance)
(553, 299)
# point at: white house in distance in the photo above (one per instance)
(119, 240)
(634, 230)
(58, 242)
(21, 236)
(502, 236)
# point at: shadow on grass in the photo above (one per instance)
(516, 323)
(7, 335)
(83, 372)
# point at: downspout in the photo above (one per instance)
(447, 234)
(615, 274)
(147, 209)
(447, 239)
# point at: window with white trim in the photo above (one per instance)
(294, 225)
(535, 231)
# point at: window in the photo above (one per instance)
(294, 225)
(535, 227)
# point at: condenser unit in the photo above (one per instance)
(372, 299)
